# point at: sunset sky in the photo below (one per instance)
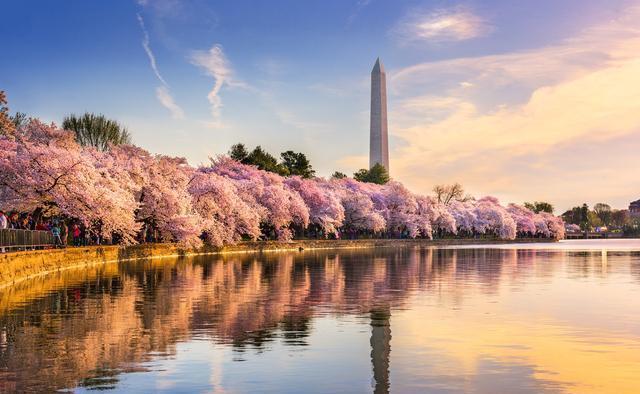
(524, 100)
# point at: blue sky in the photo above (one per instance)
(473, 86)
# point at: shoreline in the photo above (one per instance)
(18, 267)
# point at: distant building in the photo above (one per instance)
(634, 209)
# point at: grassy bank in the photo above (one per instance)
(20, 266)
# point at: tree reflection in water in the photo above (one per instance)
(86, 329)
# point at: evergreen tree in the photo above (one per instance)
(238, 152)
(265, 161)
(297, 164)
(377, 174)
(584, 217)
(539, 206)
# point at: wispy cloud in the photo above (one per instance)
(147, 49)
(162, 92)
(442, 25)
(360, 5)
(215, 63)
(165, 98)
(522, 124)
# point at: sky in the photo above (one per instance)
(524, 100)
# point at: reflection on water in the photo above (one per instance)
(385, 320)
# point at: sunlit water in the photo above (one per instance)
(514, 319)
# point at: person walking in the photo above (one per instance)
(55, 230)
(4, 223)
(75, 232)
(64, 233)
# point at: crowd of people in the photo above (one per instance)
(63, 231)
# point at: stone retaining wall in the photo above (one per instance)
(19, 266)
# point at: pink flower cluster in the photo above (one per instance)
(114, 192)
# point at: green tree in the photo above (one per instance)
(594, 220)
(377, 174)
(96, 130)
(620, 218)
(6, 124)
(293, 163)
(238, 152)
(632, 228)
(265, 161)
(572, 216)
(584, 217)
(338, 175)
(362, 175)
(297, 164)
(539, 206)
(603, 211)
(20, 119)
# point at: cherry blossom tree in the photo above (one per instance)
(119, 191)
(160, 186)
(493, 218)
(524, 219)
(402, 212)
(283, 207)
(359, 210)
(554, 224)
(43, 169)
(325, 209)
(464, 214)
(226, 215)
(441, 219)
(574, 228)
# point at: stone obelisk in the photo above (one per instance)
(378, 139)
(380, 348)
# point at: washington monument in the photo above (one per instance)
(378, 139)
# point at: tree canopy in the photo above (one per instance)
(6, 125)
(96, 130)
(539, 206)
(603, 212)
(238, 152)
(119, 193)
(292, 163)
(377, 174)
(601, 215)
(445, 194)
(297, 164)
(10, 123)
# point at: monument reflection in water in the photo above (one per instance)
(468, 320)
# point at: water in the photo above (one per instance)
(515, 318)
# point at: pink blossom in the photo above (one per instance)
(283, 206)
(439, 215)
(325, 208)
(43, 169)
(226, 216)
(493, 218)
(523, 217)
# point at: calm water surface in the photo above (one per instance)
(513, 319)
